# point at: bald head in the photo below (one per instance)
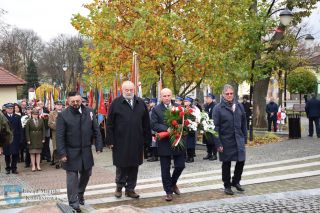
(166, 95)
(128, 89)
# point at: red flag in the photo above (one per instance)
(102, 109)
(90, 104)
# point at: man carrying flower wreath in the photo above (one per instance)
(165, 149)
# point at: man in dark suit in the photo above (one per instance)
(76, 130)
(271, 110)
(5, 132)
(313, 114)
(11, 151)
(165, 150)
(208, 138)
(128, 130)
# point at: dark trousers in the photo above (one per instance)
(211, 149)
(314, 120)
(191, 152)
(76, 185)
(127, 177)
(45, 154)
(168, 180)
(273, 120)
(11, 162)
(27, 159)
(226, 176)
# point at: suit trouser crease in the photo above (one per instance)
(226, 173)
(168, 180)
(127, 177)
(76, 184)
(11, 162)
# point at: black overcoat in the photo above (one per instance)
(15, 123)
(75, 134)
(158, 125)
(232, 130)
(313, 108)
(128, 130)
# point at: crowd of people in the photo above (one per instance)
(64, 138)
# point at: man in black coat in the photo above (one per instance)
(208, 139)
(165, 150)
(271, 110)
(230, 123)
(128, 130)
(76, 130)
(247, 106)
(11, 151)
(313, 114)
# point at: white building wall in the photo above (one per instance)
(8, 94)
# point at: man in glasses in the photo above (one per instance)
(76, 129)
(128, 130)
(230, 123)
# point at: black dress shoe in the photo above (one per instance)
(81, 201)
(52, 163)
(238, 187)
(228, 191)
(26, 166)
(176, 190)
(15, 172)
(77, 209)
(213, 157)
(168, 197)
(207, 157)
(8, 172)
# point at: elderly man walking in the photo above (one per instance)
(165, 151)
(76, 129)
(230, 123)
(128, 130)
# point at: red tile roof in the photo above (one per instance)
(7, 78)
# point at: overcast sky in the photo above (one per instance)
(49, 18)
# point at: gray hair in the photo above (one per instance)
(226, 87)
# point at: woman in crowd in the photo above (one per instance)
(35, 134)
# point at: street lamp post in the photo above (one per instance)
(65, 68)
(309, 40)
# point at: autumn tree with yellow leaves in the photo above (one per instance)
(189, 42)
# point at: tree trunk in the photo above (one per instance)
(259, 103)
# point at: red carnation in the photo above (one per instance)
(181, 114)
(180, 108)
(177, 136)
(174, 123)
(190, 110)
(186, 122)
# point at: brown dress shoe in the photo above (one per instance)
(168, 197)
(118, 192)
(176, 190)
(132, 194)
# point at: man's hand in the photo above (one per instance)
(64, 159)
(110, 146)
(98, 152)
(1, 150)
(43, 141)
(28, 142)
(169, 130)
(220, 149)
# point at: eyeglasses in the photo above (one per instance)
(230, 93)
